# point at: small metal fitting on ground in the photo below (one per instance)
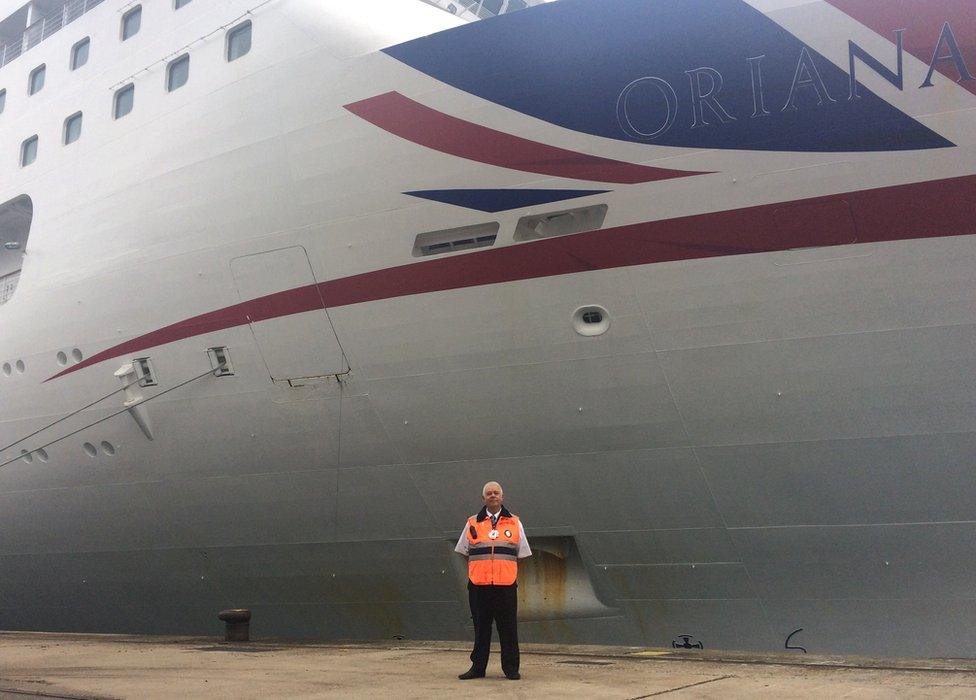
(238, 622)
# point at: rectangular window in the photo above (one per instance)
(72, 128)
(177, 72)
(177, 4)
(79, 53)
(124, 99)
(450, 240)
(36, 80)
(131, 21)
(3, 100)
(28, 150)
(239, 41)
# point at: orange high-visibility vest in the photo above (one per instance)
(493, 561)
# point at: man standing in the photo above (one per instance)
(493, 541)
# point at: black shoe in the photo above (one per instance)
(471, 673)
(513, 676)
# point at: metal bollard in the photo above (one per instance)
(238, 622)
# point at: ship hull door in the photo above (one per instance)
(287, 315)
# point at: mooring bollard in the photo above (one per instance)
(238, 624)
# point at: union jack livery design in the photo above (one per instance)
(282, 282)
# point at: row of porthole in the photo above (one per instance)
(74, 356)
(8, 368)
(89, 448)
(28, 457)
(78, 57)
(92, 451)
(177, 75)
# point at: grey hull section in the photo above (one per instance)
(656, 553)
(825, 584)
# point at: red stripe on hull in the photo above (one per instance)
(422, 125)
(925, 210)
(923, 21)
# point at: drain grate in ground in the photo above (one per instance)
(575, 662)
(247, 649)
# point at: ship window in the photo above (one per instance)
(561, 223)
(450, 240)
(239, 41)
(15, 222)
(131, 21)
(79, 53)
(28, 150)
(124, 99)
(177, 4)
(177, 72)
(36, 80)
(3, 100)
(72, 128)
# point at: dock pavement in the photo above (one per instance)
(75, 666)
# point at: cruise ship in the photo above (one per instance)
(284, 282)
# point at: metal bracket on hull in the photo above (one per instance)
(133, 405)
(129, 377)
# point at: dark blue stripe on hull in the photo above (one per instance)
(501, 200)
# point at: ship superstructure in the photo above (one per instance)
(283, 282)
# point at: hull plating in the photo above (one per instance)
(766, 439)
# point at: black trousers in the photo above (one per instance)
(498, 604)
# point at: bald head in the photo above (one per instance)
(491, 494)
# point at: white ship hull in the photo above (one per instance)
(768, 437)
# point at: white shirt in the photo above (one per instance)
(523, 544)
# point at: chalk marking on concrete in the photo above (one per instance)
(42, 694)
(680, 687)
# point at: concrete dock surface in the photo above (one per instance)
(44, 665)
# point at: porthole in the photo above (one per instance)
(28, 151)
(26, 456)
(123, 101)
(177, 72)
(239, 41)
(35, 81)
(21, 367)
(7, 369)
(108, 448)
(591, 320)
(42, 455)
(76, 355)
(131, 21)
(79, 53)
(71, 131)
(62, 359)
(90, 449)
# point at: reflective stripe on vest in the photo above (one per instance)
(493, 561)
